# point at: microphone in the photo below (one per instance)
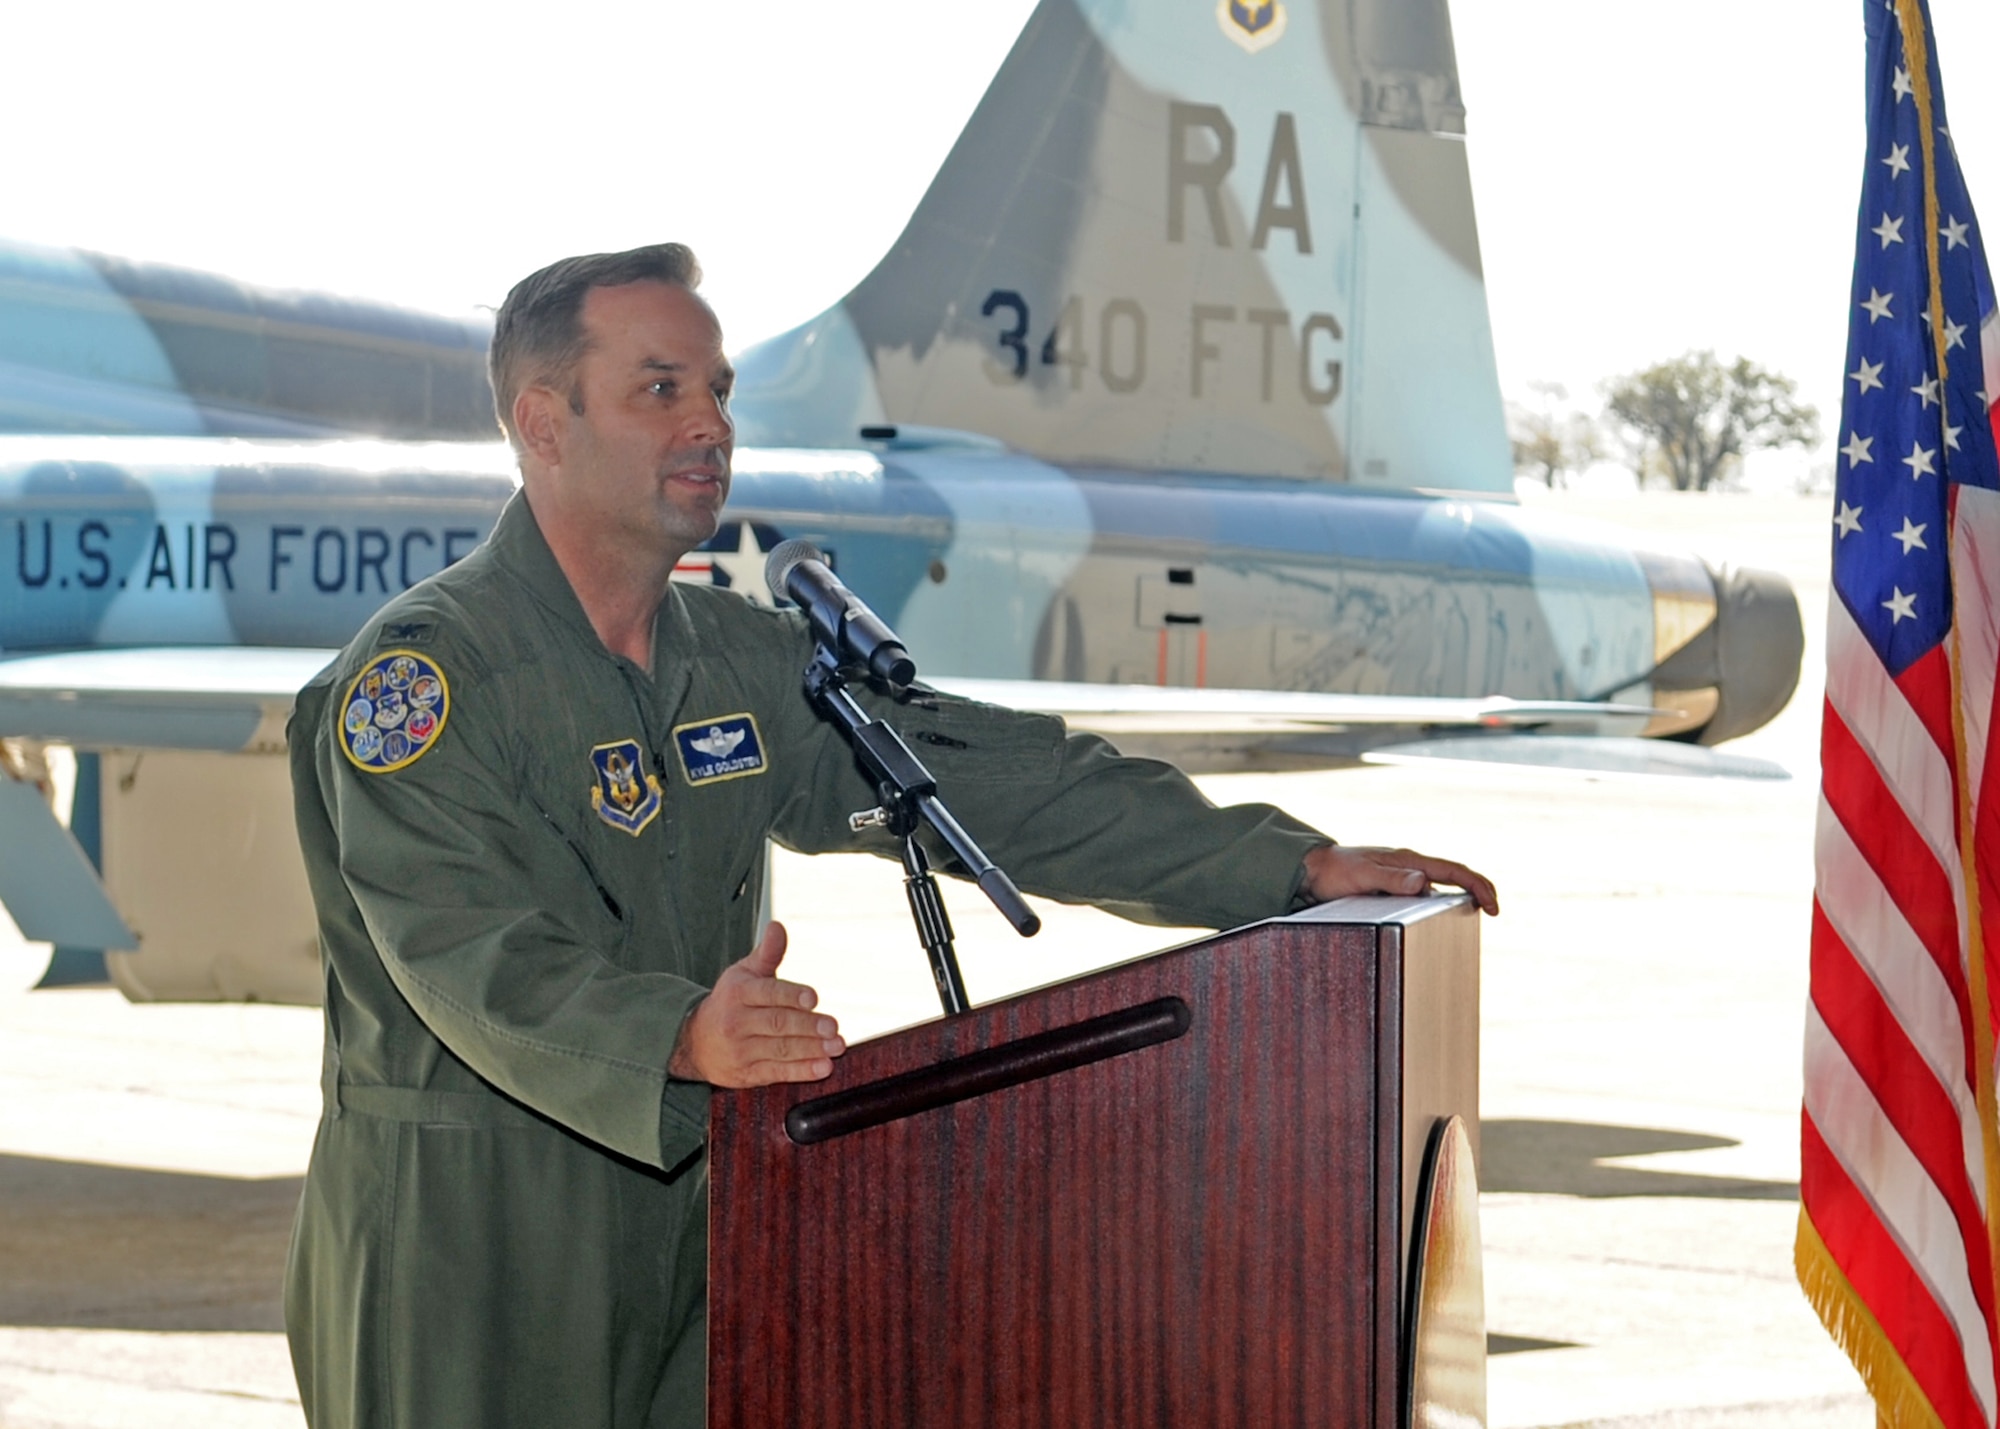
(797, 571)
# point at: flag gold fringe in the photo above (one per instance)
(1900, 1403)
(1916, 54)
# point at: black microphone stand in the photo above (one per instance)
(908, 797)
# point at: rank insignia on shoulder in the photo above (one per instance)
(393, 711)
(625, 796)
(712, 750)
(407, 632)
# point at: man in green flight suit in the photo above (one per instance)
(534, 795)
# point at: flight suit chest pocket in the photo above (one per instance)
(570, 846)
(726, 822)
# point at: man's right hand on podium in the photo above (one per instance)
(754, 1028)
(1342, 870)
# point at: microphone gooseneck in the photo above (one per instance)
(848, 634)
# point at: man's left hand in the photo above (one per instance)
(1335, 871)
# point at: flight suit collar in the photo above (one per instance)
(519, 547)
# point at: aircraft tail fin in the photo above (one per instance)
(1234, 238)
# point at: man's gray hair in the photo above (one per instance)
(538, 335)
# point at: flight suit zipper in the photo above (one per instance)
(638, 685)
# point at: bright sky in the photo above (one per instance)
(1651, 175)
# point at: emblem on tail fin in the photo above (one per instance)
(1253, 25)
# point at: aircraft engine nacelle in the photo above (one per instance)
(201, 855)
(1728, 644)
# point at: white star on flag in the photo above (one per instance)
(1889, 230)
(1928, 390)
(1856, 450)
(1919, 461)
(1849, 520)
(1911, 535)
(1954, 233)
(1902, 84)
(1951, 438)
(1869, 375)
(1878, 306)
(1900, 606)
(1899, 159)
(1954, 334)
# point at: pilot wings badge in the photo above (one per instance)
(726, 747)
(625, 796)
(1254, 24)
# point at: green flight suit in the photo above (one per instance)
(505, 1218)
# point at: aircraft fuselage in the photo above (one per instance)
(989, 563)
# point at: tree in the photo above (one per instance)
(1548, 443)
(1699, 417)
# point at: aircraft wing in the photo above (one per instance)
(225, 698)
(1208, 730)
(237, 698)
(1152, 709)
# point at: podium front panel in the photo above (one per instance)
(1129, 1215)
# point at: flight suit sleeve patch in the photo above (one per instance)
(726, 747)
(393, 712)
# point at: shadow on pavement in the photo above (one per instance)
(1498, 1344)
(109, 1247)
(1565, 1158)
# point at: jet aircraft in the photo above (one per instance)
(1173, 410)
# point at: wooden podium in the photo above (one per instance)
(1174, 1192)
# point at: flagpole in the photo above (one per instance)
(1916, 54)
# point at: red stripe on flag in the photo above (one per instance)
(1920, 1109)
(1986, 813)
(1909, 871)
(1927, 686)
(1875, 1266)
(1986, 867)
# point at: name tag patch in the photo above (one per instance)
(624, 796)
(394, 711)
(727, 747)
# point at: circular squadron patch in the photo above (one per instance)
(393, 712)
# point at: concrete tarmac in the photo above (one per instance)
(1643, 1002)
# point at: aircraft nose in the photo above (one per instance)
(1746, 660)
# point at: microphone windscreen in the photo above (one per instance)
(778, 565)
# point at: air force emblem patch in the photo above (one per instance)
(625, 796)
(393, 712)
(1253, 24)
(716, 749)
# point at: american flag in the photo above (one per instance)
(1899, 1155)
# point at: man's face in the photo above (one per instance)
(647, 460)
